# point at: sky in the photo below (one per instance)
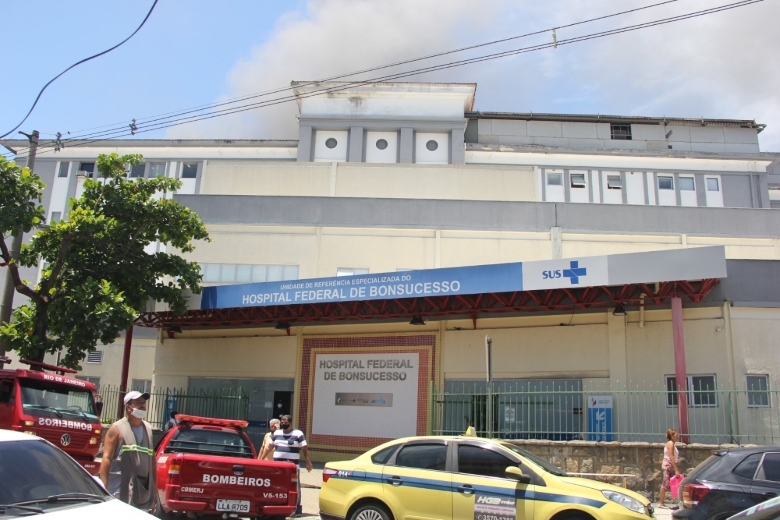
(192, 53)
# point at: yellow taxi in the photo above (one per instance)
(466, 478)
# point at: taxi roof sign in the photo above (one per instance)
(194, 419)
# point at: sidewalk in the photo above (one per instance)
(310, 490)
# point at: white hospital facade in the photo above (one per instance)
(399, 178)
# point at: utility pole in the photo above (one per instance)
(16, 245)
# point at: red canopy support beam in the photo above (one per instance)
(120, 411)
(680, 371)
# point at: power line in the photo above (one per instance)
(169, 115)
(432, 68)
(75, 65)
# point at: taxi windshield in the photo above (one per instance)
(47, 399)
(209, 442)
(549, 468)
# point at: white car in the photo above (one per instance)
(38, 478)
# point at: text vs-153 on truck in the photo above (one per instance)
(210, 467)
(43, 401)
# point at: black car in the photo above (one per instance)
(729, 482)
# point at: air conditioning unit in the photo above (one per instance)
(84, 173)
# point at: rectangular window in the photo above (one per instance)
(138, 170)
(577, 180)
(700, 389)
(687, 184)
(228, 273)
(275, 273)
(665, 182)
(95, 357)
(758, 391)
(621, 132)
(246, 273)
(259, 273)
(156, 169)
(141, 385)
(94, 380)
(189, 170)
(350, 271)
(713, 184)
(87, 169)
(614, 182)
(63, 169)
(554, 179)
(55, 217)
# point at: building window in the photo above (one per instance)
(189, 170)
(350, 271)
(432, 145)
(56, 216)
(713, 184)
(95, 357)
(701, 392)
(758, 391)
(63, 169)
(331, 143)
(137, 170)
(614, 182)
(246, 273)
(94, 380)
(156, 169)
(381, 144)
(87, 169)
(577, 180)
(621, 132)
(687, 184)
(665, 182)
(554, 179)
(141, 385)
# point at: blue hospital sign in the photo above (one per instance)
(568, 273)
(600, 418)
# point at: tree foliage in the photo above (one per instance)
(102, 264)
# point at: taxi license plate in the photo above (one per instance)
(233, 506)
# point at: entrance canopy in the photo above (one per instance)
(561, 285)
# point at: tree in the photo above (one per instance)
(97, 275)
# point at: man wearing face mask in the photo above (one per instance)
(289, 444)
(127, 469)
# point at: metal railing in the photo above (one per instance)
(527, 411)
(221, 404)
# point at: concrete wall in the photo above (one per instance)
(640, 461)
(261, 356)
(456, 182)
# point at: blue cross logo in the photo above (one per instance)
(574, 272)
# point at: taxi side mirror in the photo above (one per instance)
(99, 408)
(515, 473)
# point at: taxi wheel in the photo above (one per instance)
(371, 512)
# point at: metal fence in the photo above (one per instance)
(222, 404)
(524, 410)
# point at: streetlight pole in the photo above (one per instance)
(16, 245)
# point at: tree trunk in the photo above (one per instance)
(41, 330)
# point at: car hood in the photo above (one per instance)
(112, 508)
(602, 486)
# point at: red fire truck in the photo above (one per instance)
(44, 401)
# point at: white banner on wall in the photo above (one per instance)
(365, 395)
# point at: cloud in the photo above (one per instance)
(716, 66)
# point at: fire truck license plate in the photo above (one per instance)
(233, 506)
